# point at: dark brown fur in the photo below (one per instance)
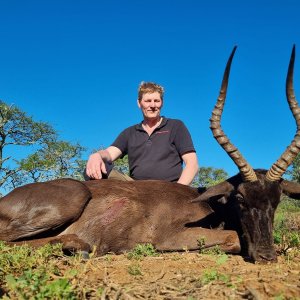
(112, 215)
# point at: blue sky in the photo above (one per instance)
(77, 65)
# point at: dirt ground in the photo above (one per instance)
(190, 276)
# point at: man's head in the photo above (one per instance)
(150, 100)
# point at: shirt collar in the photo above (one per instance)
(161, 125)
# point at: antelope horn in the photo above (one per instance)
(246, 171)
(281, 165)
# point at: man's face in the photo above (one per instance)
(150, 105)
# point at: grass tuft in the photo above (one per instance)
(142, 250)
(287, 226)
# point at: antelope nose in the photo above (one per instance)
(267, 257)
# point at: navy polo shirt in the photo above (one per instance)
(157, 156)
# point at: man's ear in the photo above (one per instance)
(138, 103)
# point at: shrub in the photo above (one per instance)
(287, 226)
(142, 250)
(30, 273)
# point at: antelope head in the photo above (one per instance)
(255, 194)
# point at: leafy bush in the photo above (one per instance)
(142, 250)
(287, 226)
(29, 273)
(37, 284)
(17, 259)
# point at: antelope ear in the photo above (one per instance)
(220, 192)
(291, 189)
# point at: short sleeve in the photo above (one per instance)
(121, 142)
(183, 140)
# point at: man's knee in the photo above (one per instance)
(118, 175)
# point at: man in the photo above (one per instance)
(156, 147)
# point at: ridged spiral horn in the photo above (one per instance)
(245, 169)
(281, 165)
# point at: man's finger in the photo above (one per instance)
(103, 168)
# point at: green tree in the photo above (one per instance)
(294, 170)
(49, 157)
(121, 164)
(209, 176)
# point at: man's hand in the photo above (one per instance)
(95, 166)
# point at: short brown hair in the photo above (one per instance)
(150, 87)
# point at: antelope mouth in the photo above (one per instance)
(265, 257)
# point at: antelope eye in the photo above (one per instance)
(240, 198)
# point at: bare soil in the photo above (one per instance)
(190, 276)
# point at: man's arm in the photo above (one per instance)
(191, 168)
(96, 166)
